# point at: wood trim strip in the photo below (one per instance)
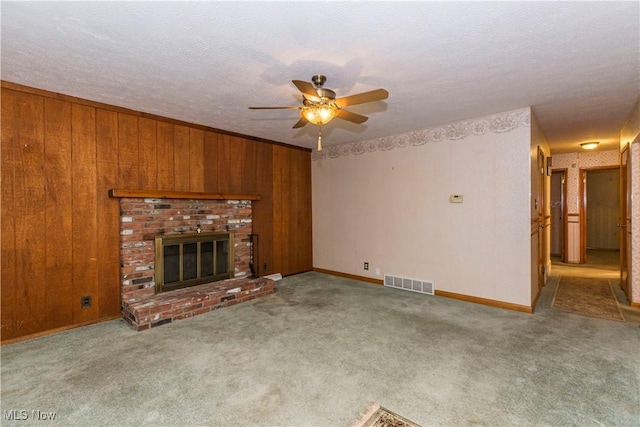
(58, 330)
(193, 195)
(485, 301)
(596, 168)
(535, 301)
(349, 276)
(47, 94)
(446, 294)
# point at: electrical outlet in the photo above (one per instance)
(264, 266)
(85, 301)
(366, 265)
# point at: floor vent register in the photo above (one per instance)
(413, 285)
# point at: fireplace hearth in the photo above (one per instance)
(182, 257)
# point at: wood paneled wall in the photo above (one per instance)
(60, 230)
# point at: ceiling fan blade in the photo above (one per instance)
(361, 98)
(300, 123)
(274, 108)
(307, 90)
(351, 117)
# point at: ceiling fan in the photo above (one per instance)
(320, 105)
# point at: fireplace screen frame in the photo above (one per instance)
(180, 240)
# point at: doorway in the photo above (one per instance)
(600, 218)
(600, 210)
(558, 199)
(624, 224)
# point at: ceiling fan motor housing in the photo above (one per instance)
(318, 80)
(326, 94)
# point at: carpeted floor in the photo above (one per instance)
(323, 347)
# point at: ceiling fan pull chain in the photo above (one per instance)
(319, 138)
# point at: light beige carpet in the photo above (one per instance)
(377, 416)
(587, 295)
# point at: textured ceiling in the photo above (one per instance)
(577, 64)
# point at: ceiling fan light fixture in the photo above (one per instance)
(319, 114)
(320, 105)
(589, 145)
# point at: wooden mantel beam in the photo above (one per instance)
(193, 195)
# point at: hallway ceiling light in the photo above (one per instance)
(589, 145)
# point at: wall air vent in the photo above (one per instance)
(413, 285)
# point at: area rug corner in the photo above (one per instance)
(375, 415)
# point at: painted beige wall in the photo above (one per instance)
(386, 202)
(630, 134)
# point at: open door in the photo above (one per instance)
(624, 223)
(542, 219)
(558, 211)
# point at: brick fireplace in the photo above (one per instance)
(144, 218)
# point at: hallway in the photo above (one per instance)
(600, 263)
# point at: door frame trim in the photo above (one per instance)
(582, 200)
(565, 217)
(625, 232)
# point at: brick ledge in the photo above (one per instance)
(160, 309)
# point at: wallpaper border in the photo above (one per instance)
(496, 123)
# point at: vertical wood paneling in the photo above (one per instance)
(58, 211)
(60, 230)
(223, 157)
(230, 164)
(292, 227)
(84, 212)
(196, 160)
(181, 158)
(108, 215)
(164, 156)
(263, 208)
(211, 183)
(249, 166)
(107, 139)
(234, 155)
(128, 152)
(148, 165)
(281, 217)
(30, 224)
(301, 229)
(9, 134)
